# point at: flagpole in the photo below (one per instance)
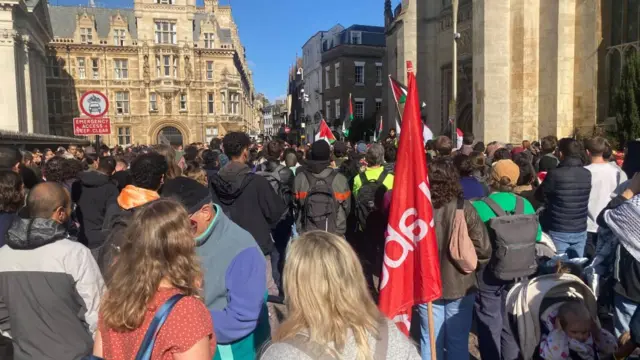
(454, 75)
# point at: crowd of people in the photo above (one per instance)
(245, 250)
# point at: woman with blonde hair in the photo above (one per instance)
(170, 154)
(331, 314)
(156, 266)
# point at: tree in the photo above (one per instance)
(626, 101)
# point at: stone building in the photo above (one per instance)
(170, 70)
(312, 76)
(25, 31)
(526, 68)
(352, 63)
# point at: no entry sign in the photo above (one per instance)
(91, 126)
(94, 104)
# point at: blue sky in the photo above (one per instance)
(274, 30)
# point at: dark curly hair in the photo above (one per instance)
(11, 191)
(444, 181)
(501, 154)
(234, 143)
(147, 171)
(54, 169)
(71, 168)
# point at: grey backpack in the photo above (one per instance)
(513, 237)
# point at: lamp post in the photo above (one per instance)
(454, 76)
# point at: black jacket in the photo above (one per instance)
(249, 201)
(565, 194)
(92, 193)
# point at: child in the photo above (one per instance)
(575, 335)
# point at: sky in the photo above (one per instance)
(273, 31)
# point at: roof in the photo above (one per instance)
(31, 3)
(63, 19)
(371, 36)
(19, 138)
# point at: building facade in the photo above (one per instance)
(526, 68)
(312, 77)
(25, 31)
(352, 64)
(170, 70)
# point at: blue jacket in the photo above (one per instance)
(234, 287)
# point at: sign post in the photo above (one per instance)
(95, 105)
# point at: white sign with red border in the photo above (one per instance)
(94, 104)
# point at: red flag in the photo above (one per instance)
(411, 271)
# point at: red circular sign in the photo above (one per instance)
(94, 104)
(287, 130)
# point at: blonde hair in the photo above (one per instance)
(327, 294)
(198, 174)
(157, 246)
(173, 170)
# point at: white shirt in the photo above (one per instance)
(605, 178)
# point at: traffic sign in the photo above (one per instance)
(91, 126)
(287, 129)
(94, 104)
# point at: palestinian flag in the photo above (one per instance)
(324, 133)
(399, 92)
(378, 132)
(346, 123)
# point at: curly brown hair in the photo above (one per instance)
(11, 191)
(158, 245)
(444, 181)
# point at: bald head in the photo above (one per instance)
(49, 200)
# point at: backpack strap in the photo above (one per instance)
(382, 345)
(519, 209)
(363, 178)
(146, 348)
(382, 177)
(460, 204)
(310, 348)
(497, 209)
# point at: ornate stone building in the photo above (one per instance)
(25, 31)
(170, 70)
(526, 68)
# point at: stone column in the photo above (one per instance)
(26, 68)
(491, 69)
(566, 65)
(8, 92)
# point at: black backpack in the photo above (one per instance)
(106, 254)
(370, 197)
(513, 237)
(319, 209)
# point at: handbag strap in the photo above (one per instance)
(146, 348)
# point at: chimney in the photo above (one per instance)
(388, 15)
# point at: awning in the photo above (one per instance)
(20, 138)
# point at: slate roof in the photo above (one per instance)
(63, 19)
(371, 36)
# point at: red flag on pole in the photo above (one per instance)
(411, 271)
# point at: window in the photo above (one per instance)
(211, 133)
(223, 100)
(356, 37)
(337, 108)
(234, 103)
(122, 102)
(124, 136)
(54, 67)
(378, 74)
(153, 102)
(95, 68)
(208, 40)
(55, 102)
(358, 108)
(86, 35)
(121, 69)
(359, 75)
(165, 68)
(337, 74)
(183, 102)
(211, 103)
(326, 77)
(378, 104)
(209, 70)
(327, 110)
(82, 69)
(165, 32)
(118, 37)
(166, 2)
